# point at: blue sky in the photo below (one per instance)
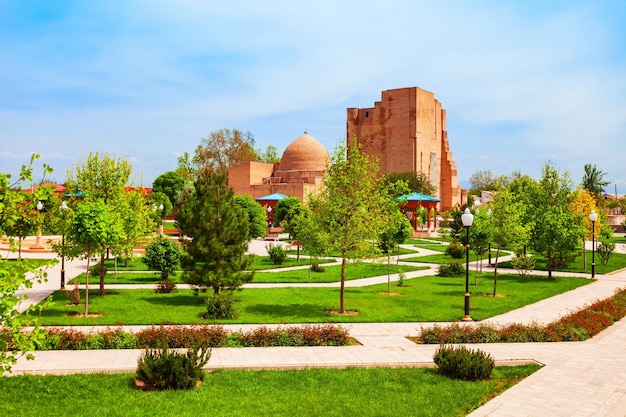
(523, 83)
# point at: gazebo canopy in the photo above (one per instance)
(272, 197)
(418, 197)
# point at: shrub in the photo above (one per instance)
(163, 255)
(94, 270)
(182, 337)
(74, 294)
(455, 250)
(220, 306)
(605, 249)
(165, 286)
(316, 267)
(463, 363)
(401, 279)
(453, 269)
(165, 368)
(523, 264)
(277, 254)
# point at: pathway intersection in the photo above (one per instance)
(577, 379)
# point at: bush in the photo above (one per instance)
(182, 336)
(453, 269)
(277, 254)
(463, 363)
(316, 267)
(74, 294)
(605, 249)
(165, 368)
(163, 255)
(401, 279)
(94, 270)
(523, 264)
(455, 250)
(220, 306)
(165, 286)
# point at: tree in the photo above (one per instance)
(94, 226)
(102, 177)
(26, 221)
(283, 210)
(171, 184)
(163, 255)
(582, 205)
(480, 237)
(486, 181)
(270, 156)
(218, 232)
(593, 181)
(416, 181)
(256, 215)
(312, 239)
(556, 231)
(505, 227)
(18, 275)
(225, 148)
(136, 217)
(349, 208)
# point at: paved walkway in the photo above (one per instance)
(578, 379)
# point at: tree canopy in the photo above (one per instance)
(170, 183)
(225, 148)
(256, 215)
(593, 181)
(416, 181)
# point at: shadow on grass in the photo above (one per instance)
(175, 300)
(289, 310)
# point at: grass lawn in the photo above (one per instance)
(423, 299)
(134, 264)
(617, 261)
(332, 273)
(444, 259)
(264, 262)
(619, 239)
(309, 392)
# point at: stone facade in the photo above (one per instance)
(406, 131)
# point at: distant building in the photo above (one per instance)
(298, 174)
(406, 131)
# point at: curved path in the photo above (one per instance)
(578, 379)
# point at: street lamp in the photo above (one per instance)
(467, 219)
(62, 209)
(489, 249)
(269, 216)
(593, 217)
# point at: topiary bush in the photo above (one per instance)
(220, 306)
(452, 269)
(455, 250)
(165, 369)
(463, 363)
(277, 254)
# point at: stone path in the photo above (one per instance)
(577, 379)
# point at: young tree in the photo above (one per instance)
(349, 208)
(582, 205)
(136, 217)
(556, 231)
(505, 226)
(14, 276)
(26, 219)
(593, 181)
(270, 156)
(313, 240)
(171, 184)
(101, 177)
(94, 226)
(218, 231)
(163, 255)
(480, 237)
(256, 215)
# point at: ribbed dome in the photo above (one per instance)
(304, 154)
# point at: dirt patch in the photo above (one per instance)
(497, 295)
(83, 315)
(346, 313)
(393, 294)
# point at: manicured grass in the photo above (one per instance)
(134, 264)
(619, 239)
(264, 262)
(432, 246)
(444, 259)
(617, 261)
(332, 273)
(422, 300)
(309, 392)
(127, 278)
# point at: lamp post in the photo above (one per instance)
(467, 219)
(62, 209)
(38, 244)
(269, 216)
(593, 217)
(489, 248)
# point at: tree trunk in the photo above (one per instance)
(495, 273)
(549, 255)
(388, 273)
(584, 255)
(87, 287)
(342, 306)
(102, 275)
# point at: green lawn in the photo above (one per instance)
(444, 259)
(424, 299)
(264, 262)
(332, 273)
(310, 392)
(617, 261)
(139, 277)
(134, 264)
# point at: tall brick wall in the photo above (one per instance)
(406, 131)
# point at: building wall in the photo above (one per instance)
(242, 177)
(406, 131)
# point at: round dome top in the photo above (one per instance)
(305, 154)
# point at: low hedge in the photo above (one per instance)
(578, 326)
(189, 336)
